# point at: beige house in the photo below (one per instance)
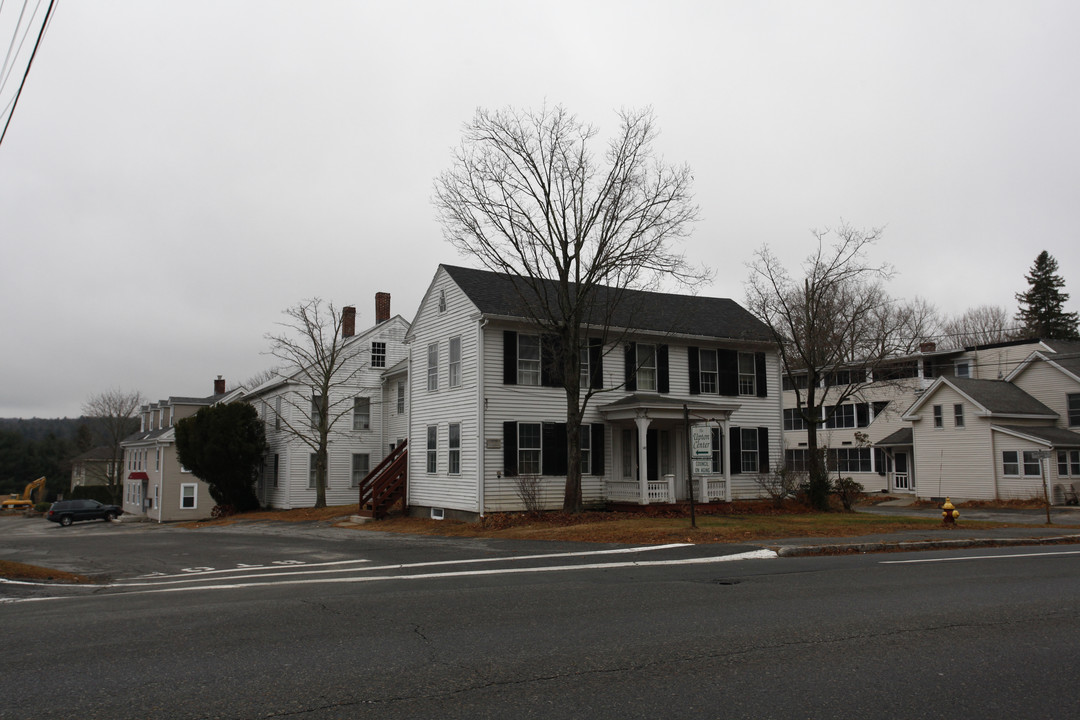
(155, 486)
(867, 437)
(93, 467)
(1014, 438)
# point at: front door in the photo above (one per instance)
(901, 476)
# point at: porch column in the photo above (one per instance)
(642, 421)
(726, 439)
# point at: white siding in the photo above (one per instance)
(949, 461)
(445, 405)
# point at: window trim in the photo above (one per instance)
(958, 415)
(378, 353)
(356, 479)
(432, 450)
(707, 378)
(754, 464)
(361, 421)
(1029, 458)
(1072, 409)
(647, 364)
(535, 451)
(453, 448)
(454, 364)
(1010, 466)
(747, 377)
(194, 496)
(433, 367)
(401, 397)
(529, 369)
(939, 417)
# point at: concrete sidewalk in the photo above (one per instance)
(1028, 528)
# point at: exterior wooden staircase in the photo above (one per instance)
(385, 485)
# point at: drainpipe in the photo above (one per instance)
(481, 420)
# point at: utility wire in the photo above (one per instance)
(26, 73)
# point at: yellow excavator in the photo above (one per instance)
(25, 501)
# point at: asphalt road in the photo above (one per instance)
(309, 622)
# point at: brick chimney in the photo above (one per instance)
(348, 321)
(927, 347)
(219, 386)
(382, 307)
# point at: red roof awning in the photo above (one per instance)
(138, 476)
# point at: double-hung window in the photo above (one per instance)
(1032, 463)
(454, 362)
(316, 411)
(378, 354)
(1010, 462)
(586, 449)
(646, 367)
(189, 495)
(958, 415)
(361, 466)
(432, 449)
(529, 444)
(313, 460)
(1074, 409)
(709, 372)
(528, 359)
(454, 450)
(1068, 463)
(747, 374)
(939, 418)
(361, 419)
(749, 449)
(433, 366)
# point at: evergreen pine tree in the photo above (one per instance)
(1042, 308)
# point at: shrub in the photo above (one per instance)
(781, 483)
(528, 491)
(42, 507)
(848, 490)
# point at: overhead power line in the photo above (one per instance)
(29, 64)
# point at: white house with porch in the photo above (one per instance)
(485, 412)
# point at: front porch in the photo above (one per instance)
(651, 450)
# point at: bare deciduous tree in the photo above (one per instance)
(320, 362)
(835, 326)
(112, 414)
(982, 325)
(527, 197)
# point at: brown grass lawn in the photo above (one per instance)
(33, 573)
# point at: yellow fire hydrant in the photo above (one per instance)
(949, 513)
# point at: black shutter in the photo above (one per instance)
(879, 461)
(727, 362)
(762, 378)
(596, 363)
(693, 357)
(509, 358)
(631, 367)
(862, 414)
(550, 361)
(553, 449)
(510, 447)
(763, 449)
(736, 451)
(597, 449)
(663, 381)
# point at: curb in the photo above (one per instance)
(915, 545)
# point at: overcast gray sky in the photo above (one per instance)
(176, 174)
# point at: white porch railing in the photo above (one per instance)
(716, 490)
(659, 491)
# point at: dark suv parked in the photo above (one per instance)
(66, 512)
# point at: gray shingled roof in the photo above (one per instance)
(497, 294)
(1068, 354)
(999, 396)
(903, 436)
(1057, 437)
